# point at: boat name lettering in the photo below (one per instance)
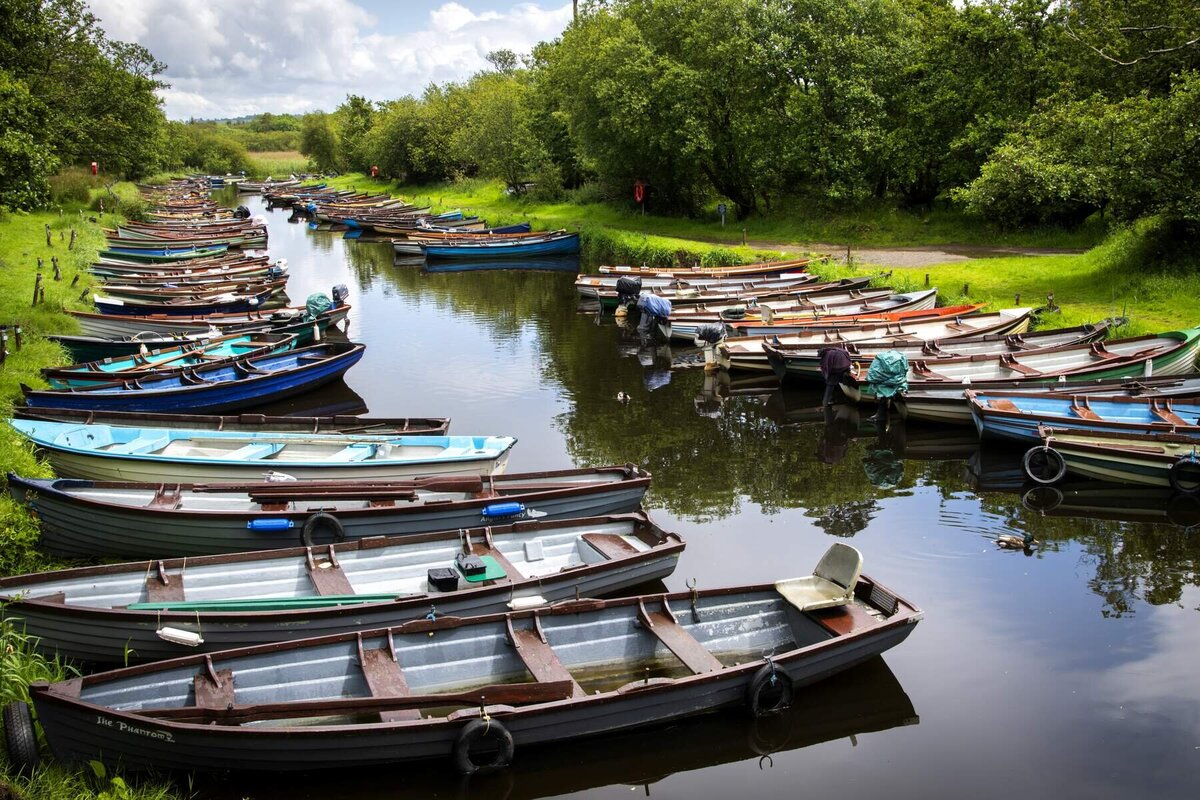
(125, 728)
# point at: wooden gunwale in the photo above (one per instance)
(66, 693)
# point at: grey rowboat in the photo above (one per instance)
(435, 689)
(145, 611)
(82, 518)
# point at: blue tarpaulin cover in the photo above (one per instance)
(653, 304)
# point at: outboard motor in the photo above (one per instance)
(628, 290)
(708, 337)
(340, 293)
(241, 212)
(656, 312)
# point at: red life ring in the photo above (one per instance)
(639, 192)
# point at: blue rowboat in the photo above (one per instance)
(1016, 416)
(247, 382)
(520, 227)
(554, 244)
(163, 254)
(168, 360)
(185, 455)
(198, 304)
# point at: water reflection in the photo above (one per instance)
(1062, 669)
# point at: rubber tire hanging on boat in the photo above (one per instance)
(769, 678)
(1052, 457)
(479, 730)
(20, 738)
(1184, 475)
(317, 520)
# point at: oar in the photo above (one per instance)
(497, 694)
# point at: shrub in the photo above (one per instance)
(73, 186)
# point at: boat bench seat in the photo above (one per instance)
(142, 444)
(539, 658)
(353, 452)
(663, 625)
(831, 584)
(385, 678)
(253, 451)
(610, 545)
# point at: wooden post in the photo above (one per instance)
(49, 241)
(743, 237)
(966, 289)
(17, 335)
(1017, 300)
(3, 343)
(37, 285)
(926, 280)
(57, 271)
(75, 280)
(71, 245)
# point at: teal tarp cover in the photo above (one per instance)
(317, 304)
(888, 374)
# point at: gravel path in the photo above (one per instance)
(920, 256)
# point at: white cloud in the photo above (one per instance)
(235, 57)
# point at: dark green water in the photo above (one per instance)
(1067, 673)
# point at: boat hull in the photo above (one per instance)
(76, 528)
(113, 636)
(79, 731)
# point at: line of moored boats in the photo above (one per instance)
(1117, 409)
(322, 592)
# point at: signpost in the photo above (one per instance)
(722, 209)
(639, 195)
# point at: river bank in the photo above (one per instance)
(1090, 275)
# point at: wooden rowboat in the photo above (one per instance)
(1170, 353)
(1165, 460)
(440, 689)
(384, 426)
(242, 383)
(82, 518)
(803, 362)
(746, 352)
(182, 455)
(115, 326)
(763, 268)
(135, 610)
(1016, 416)
(869, 303)
(169, 360)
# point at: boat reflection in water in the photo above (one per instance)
(541, 264)
(865, 699)
(330, 400)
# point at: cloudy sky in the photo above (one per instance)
(227, 58)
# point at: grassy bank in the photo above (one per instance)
(794, 225)
(277, 163)
(22, 243)
(1109, 279)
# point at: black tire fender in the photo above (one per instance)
(1053, 459)
(318, 520)
(480, 730)
(20, 738)
(770, 691)
(1184, 475)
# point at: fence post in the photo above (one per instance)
(37, 285)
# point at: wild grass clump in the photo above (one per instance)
(73, 187)
(277, 164)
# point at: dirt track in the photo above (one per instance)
(922, 256)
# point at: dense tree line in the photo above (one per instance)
(1024, 111)
(69, 96)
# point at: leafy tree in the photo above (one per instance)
(353, 121)
(25, 163)
(319, 142)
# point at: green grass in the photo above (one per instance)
(1116, 278)
(793, 225)
(278, 163)
(1112, 278)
